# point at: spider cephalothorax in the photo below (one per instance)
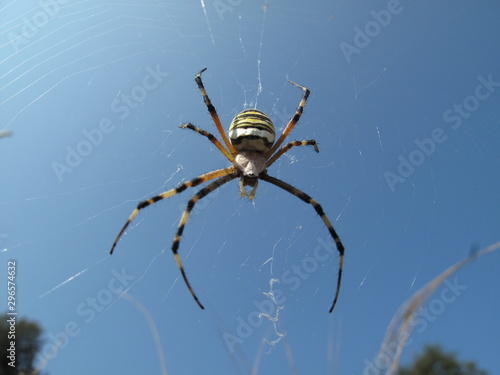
(251, 149)
(251, 164)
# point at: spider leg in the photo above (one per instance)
(288, 146)
(184, 218)
(306, 198)
(291, 124)
(211, 138)
(213, 112)
(194, 182)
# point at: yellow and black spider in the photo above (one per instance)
(251, 150)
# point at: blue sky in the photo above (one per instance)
(405, 108)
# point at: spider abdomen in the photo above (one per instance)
(252, 130)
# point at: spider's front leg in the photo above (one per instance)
(169, 193)
(184, 218)
(319, 210)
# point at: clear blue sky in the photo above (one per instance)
(405, 106)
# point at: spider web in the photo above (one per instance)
(92, 97)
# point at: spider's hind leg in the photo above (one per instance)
(211, 138)
(213, 112)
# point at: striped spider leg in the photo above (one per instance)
(319, 210)
(223, 175)
(213, 112)
(169, 193)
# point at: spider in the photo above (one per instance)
(251, 150)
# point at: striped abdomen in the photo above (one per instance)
(252, 130)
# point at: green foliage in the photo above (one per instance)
(433, 361)
(27, 342)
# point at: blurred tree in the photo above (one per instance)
(26, 337)
(433, 361)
